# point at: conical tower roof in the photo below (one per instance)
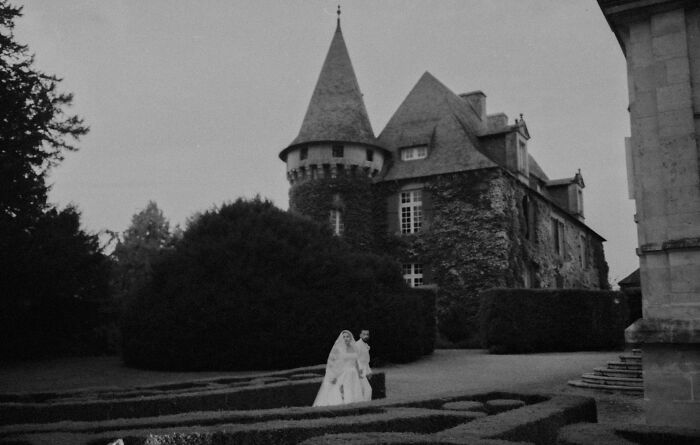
(336, 111)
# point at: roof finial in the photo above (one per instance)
(338, 15)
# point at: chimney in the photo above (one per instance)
(477, 100)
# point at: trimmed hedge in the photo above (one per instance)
(543, 320)
(263, 393)
(252, 287)
(420, 419)
(621, 434)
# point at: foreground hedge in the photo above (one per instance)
(425, 421)
(252, 287)
(534, 320)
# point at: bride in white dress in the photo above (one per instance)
(342, 383)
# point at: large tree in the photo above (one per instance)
(53, 275)
(35, 131)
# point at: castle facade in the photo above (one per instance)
(447, 189)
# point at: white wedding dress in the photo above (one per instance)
(341, 384)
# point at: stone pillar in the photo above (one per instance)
(661, 42)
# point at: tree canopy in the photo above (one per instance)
(35, 130)
(138, 247)
(54, 276)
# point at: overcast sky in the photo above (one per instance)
(189, 102)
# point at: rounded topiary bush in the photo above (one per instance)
(250, 286)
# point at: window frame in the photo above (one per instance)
(414, 153)
(410, 211)
(336, 221)
(413, 274)
(558, 235)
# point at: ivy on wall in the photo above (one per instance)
(477, 235)
(352, 195)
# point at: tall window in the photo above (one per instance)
(582, 251)
(411, 205)
(558, 235)
(522, 157)
(337, 222)
(370, 154)
(579, 194)
(413, 274)
(303, 153)
(338, 150)
(413, 153)
(526, 217)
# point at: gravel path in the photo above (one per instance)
(443, 371)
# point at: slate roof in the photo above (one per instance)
(631, 279)
(433, 115)
(336, 111)
(536, 170)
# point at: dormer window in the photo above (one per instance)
(522, 157)
(338, 150)
(303, 153)
(414, 153)
(579, 194)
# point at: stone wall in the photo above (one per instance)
(663, 59)
(353, 196)
(478, 235)
(661, 42)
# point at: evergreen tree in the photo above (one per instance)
(34, 130)
(54, 276)
(138, 248)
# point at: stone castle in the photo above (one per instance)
(447, 189)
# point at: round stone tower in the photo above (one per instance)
(332, 162)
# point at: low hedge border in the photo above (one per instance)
(619, 434)
(273, 432)
(538, 423)
(401, 439)
(261, 396)
(282, 426)
(169, 388)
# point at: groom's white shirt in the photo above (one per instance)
(363, 357)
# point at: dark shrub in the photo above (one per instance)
(54, 296)
(252, 287)
(531, 320)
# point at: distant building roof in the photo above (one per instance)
(434, 116)
(336, 111)
(631, 280)
(576, 179)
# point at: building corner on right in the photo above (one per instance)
(661, 42)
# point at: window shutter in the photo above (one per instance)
(392, 213)
(427, 208)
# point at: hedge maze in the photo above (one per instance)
(274, 409)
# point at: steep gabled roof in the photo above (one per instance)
(336, 111)
(536, 170)
(433, 115)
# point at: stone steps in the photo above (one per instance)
(593, 379)
(625, 389)
(624, 375)
(627, 373)
(623, 365)
(631, 358)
